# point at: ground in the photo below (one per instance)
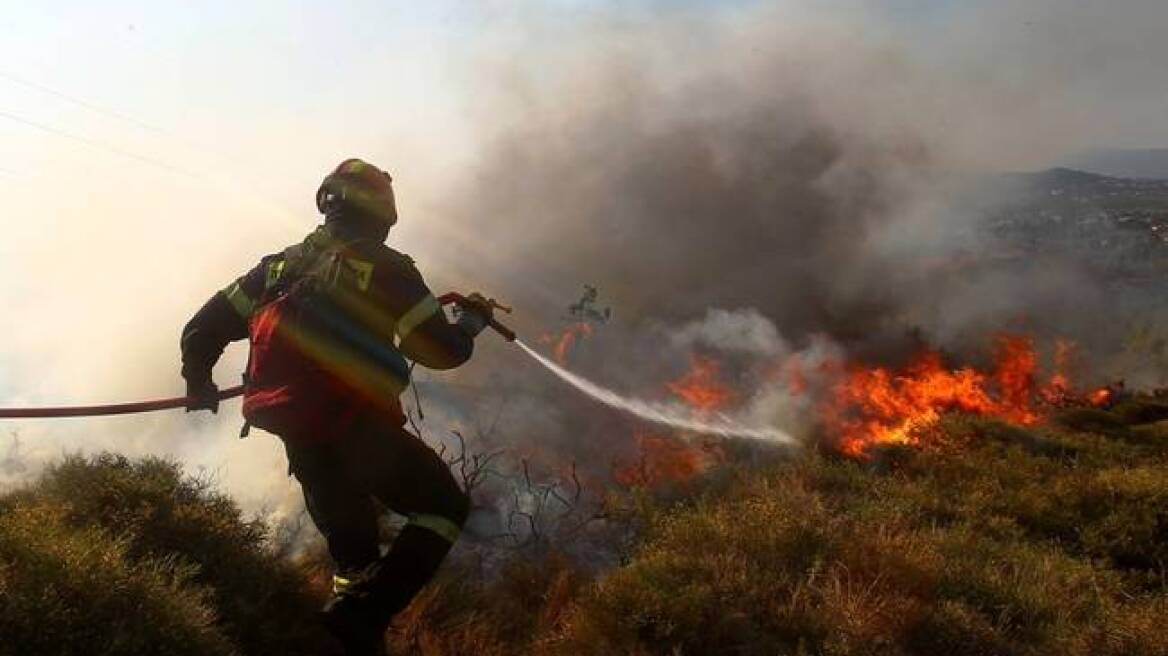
(991, 539)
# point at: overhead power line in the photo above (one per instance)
(112, 148)
(122, 152)
(100, 145)
(81, 102)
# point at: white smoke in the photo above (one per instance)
(745, 331)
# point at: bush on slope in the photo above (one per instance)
(1000, 542)
(995, 540)
(174, 543)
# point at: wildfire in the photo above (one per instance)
(1102, 397)
(700, 388)
(562, 344)
(864, 406)
(1058, 391)
(664, 459)
(667, 460)
(878, 406)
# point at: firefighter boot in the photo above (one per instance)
(358, 630)
(360, 615)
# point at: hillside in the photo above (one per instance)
(1124, 162)
(112, 556)
(994, 540)
(1116, 227)
(991, 540)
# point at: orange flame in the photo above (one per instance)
(1100, 398)
(1058, 390)
(671, 460)
(700, 388)
(667, 460)
(562, 344)
(878, 406)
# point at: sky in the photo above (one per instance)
(154, 150)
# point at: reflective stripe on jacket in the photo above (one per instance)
(387, 302)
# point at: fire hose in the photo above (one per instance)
(452, 298)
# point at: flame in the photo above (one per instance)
(667, 460)
(878, 406)
(700, 388)
(1058, 390)
(562, 344)
(1101, 398)
(796, 378)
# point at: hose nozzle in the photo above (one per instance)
(458, 299)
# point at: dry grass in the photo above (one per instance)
(996, 541)
(1000, 541)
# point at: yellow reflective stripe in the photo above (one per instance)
(362, 270)
(275, 270)
(426, 308)
(239, 300)
(438, 524)
(340, 584)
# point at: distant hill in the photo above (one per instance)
(1123, 163)
(1095, 189)
(1116, 227)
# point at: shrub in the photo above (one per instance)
(999, 541)
(67, 591)
(992, 540)
(156, 519)
(462, 613)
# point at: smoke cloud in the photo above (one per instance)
(764, 181)
(818, 166)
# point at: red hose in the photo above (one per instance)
(112, 409)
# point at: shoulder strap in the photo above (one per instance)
(282, 273)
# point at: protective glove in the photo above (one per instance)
(202, 395)
(474, 314)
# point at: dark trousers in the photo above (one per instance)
(378, 459)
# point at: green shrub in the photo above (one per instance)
(67, 591)
(992, 540)
(998, 541)
(151, 513)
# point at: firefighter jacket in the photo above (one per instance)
(377, 310)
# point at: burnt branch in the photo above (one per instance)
(470, 468)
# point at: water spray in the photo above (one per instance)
(656, 412)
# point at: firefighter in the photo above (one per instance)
(331, 323)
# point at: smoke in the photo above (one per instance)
(761, 181)
(818, 165)
(745, 331)
(780, 188)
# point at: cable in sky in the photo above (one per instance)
(98, 109)
(99, 145)
(82, 103)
